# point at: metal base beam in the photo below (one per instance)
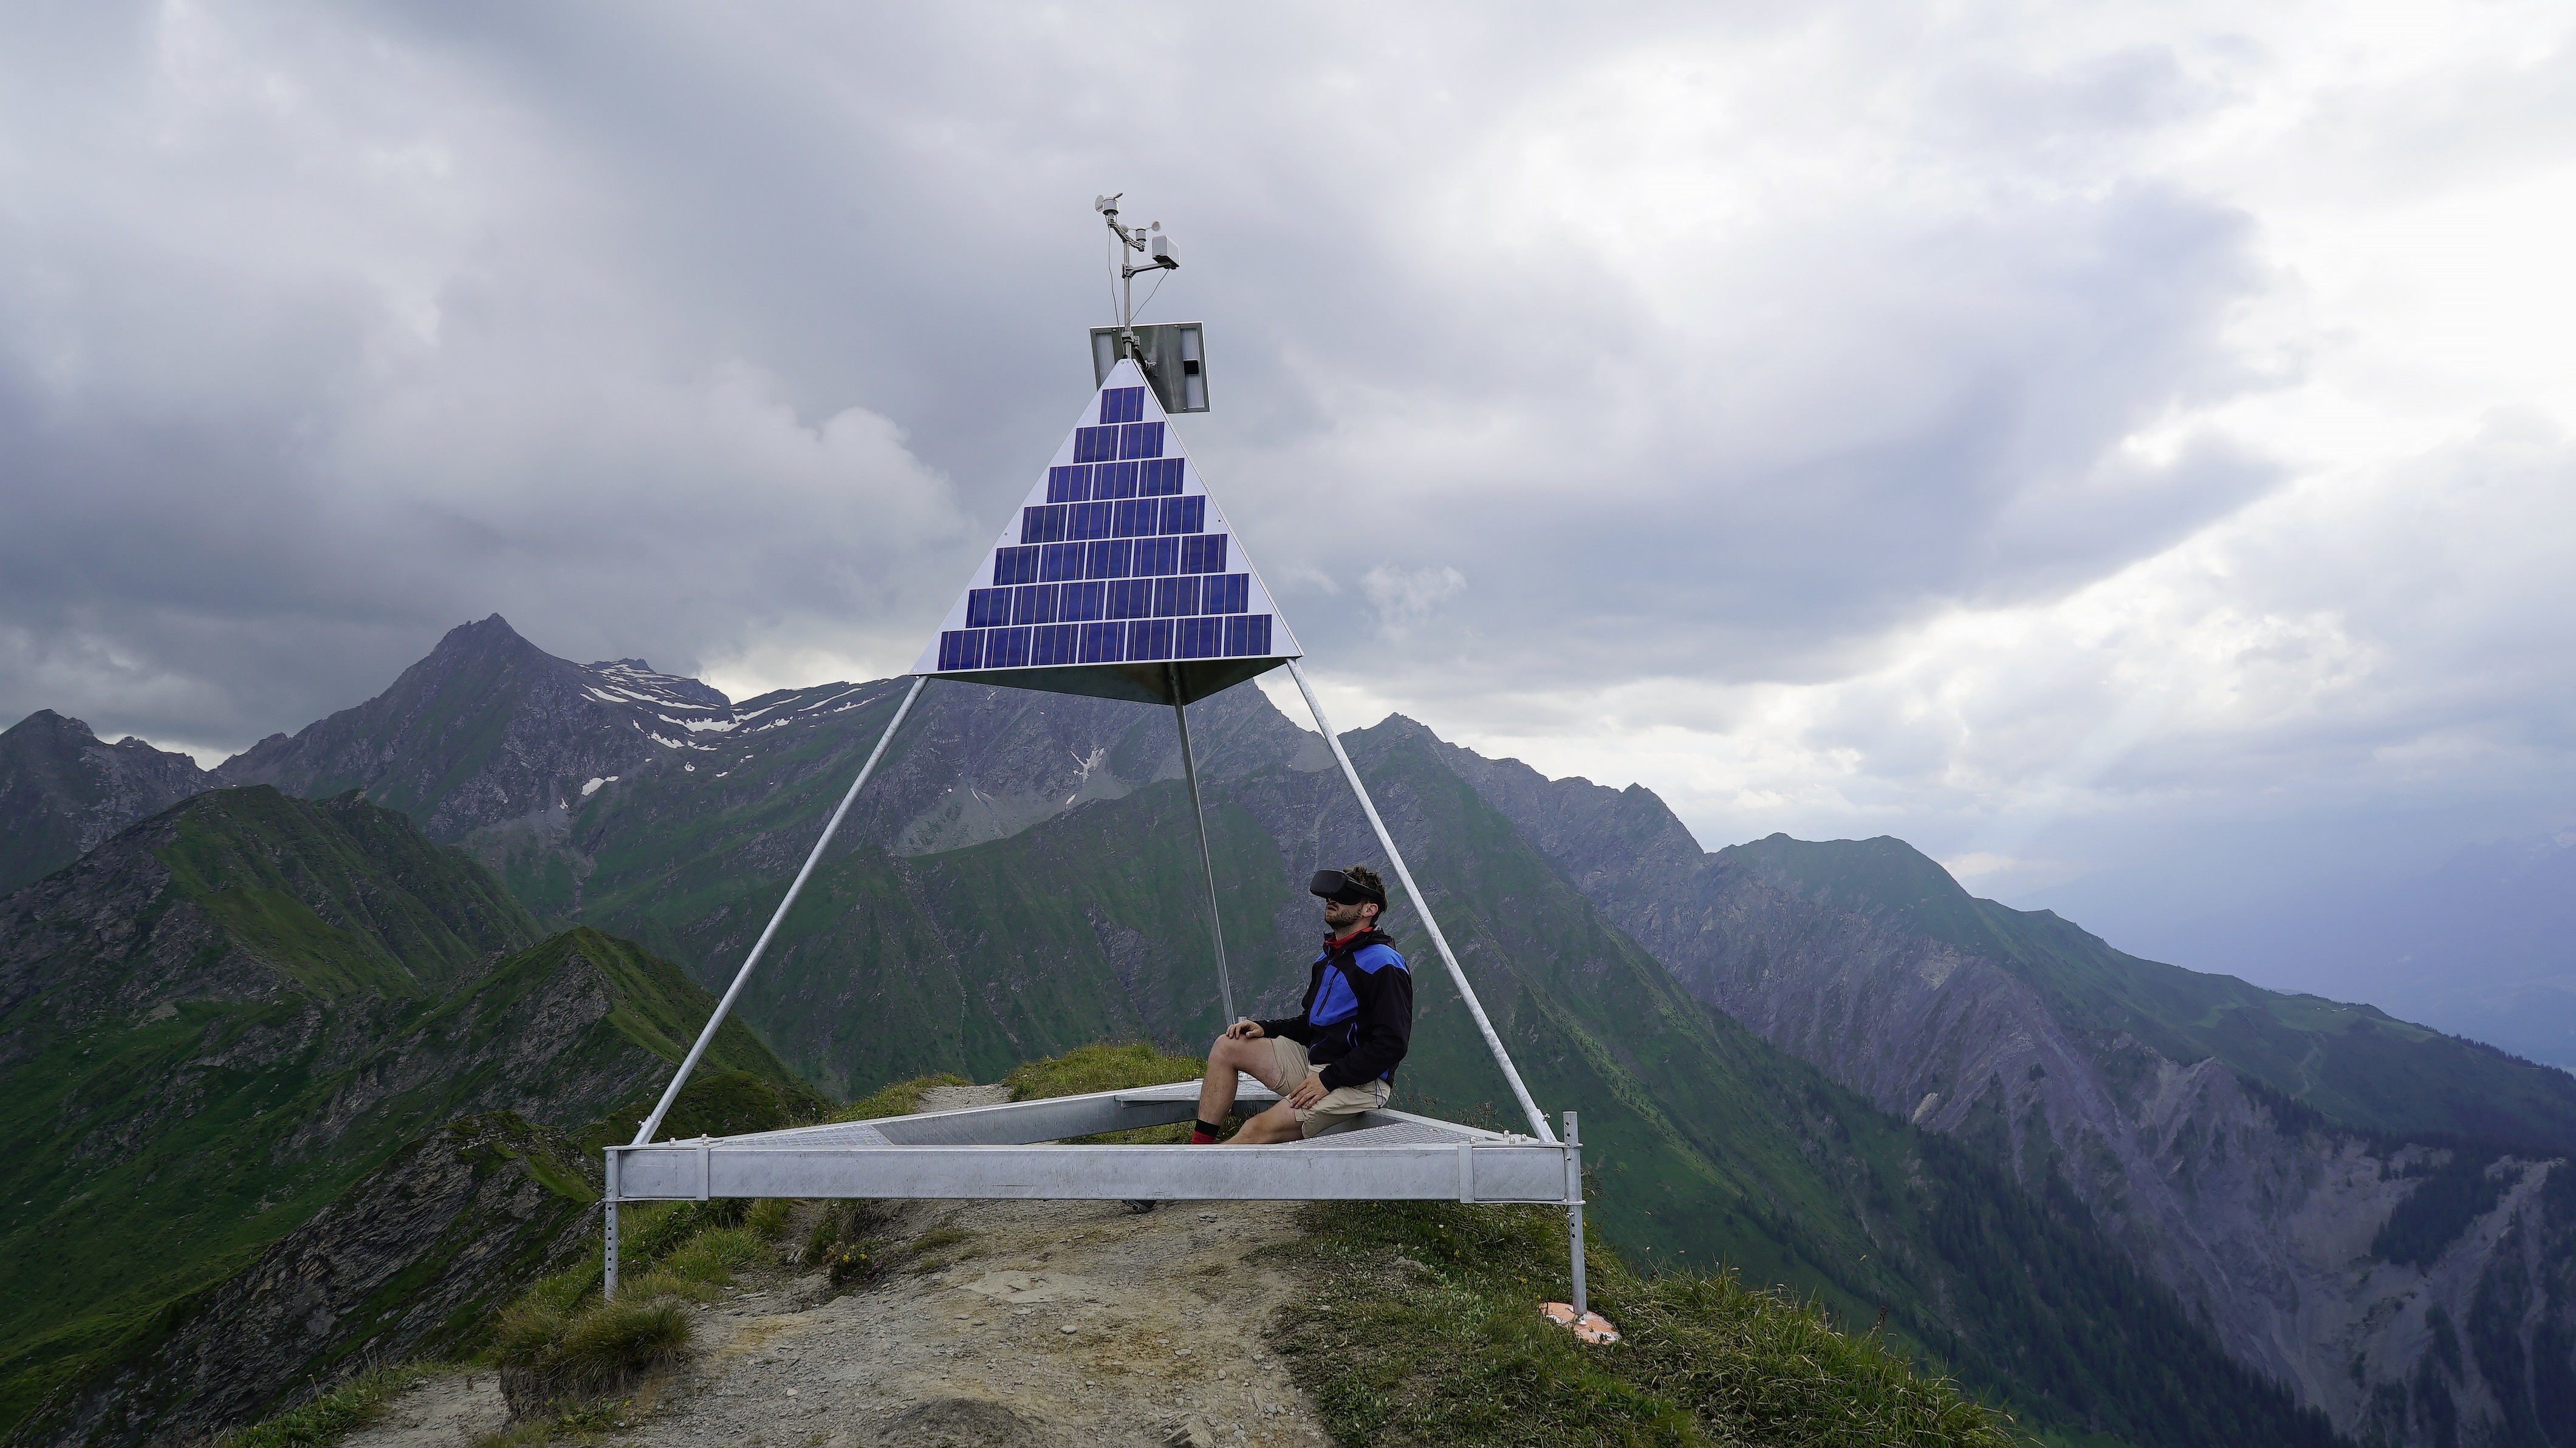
(1007, 1151)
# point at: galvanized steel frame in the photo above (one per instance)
(1013, 1151)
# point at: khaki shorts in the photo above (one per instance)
(1291, 1068)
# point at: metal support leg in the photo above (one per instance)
(653, 1123)
(1574, 1213)
(1207, 860)
(1466, 992)
(608, 1201)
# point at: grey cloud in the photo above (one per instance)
(1711, 347)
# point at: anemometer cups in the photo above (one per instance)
(1341, 889)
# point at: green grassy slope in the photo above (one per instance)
(339, 894)
(155, 1144)
(2354, 1063)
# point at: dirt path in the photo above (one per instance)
(446, 1410)
(1027, 1325)
(1058, 1323)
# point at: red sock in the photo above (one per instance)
(1202, 1134)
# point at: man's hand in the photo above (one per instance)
(1244, 1031)
(1308, 1092)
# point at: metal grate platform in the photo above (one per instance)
(1015, 1150)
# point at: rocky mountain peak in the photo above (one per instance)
(63, 791)
(490, 731)
(637, 681)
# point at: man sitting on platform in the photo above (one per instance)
(1337, 1057)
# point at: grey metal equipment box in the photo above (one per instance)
(1173, 354)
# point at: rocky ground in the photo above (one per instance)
(1026, 1325)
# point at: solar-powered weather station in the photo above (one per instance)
(1119, 577)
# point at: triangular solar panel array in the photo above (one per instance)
(1119, 577)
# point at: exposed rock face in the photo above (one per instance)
(2260, 1215)
(407, 1262)
(490, 728)
(62, 791)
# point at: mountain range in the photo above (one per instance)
(243, 1028)
(2135, 1201)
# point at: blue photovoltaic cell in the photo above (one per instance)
(1203, 552)
(1149, 638)
(1226, 593)
(1006, 648)
(1014, 565)
(1199, 638)
(1247, 636)
(1033, 605)
(1107, 560)
(1053, 645)
(1141, 440)
(1131, 598)
(1116, 566)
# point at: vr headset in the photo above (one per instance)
(1341, 889)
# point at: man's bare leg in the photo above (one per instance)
(1277, 1124)
(1226, 1056)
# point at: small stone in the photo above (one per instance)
(1069, 1329)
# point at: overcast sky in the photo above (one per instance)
(2123, 449)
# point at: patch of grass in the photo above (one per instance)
(845, 1243)
(549, 1358)
(900, 1099)
(560, 1344)
(329, 1418)
(1425, 1330)
(1104, 1066)
(616, 1340)
(767, 1218)
(938, 1237)
(714, 1255)
(573, 1428)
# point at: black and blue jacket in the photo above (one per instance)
(1358, 1021)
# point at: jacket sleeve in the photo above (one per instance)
(1385, 1035)
(1289, 1028)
